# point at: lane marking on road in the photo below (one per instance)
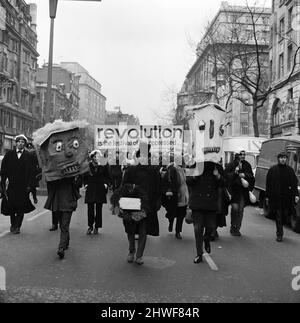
(210, 262)
(2, 278)
(37, 215)
(4, 233)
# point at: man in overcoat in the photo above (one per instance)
(17, 175)
(281, 192)
(62, 151)
(237, 172)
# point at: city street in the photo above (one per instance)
(251, 268)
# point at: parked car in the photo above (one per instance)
(268, 157)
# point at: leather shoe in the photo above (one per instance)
(89, 231)
(198, 259)
(130, 257)
(53, 228)
(139, 261)
(16, 231)
(12, 228)
(61, 253)
(279, 239)
(170, 227)
(178, 235)
(95, 231)
(207, 246)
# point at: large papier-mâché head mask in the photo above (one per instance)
(62, 149)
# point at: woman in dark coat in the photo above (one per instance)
(147, 178)
(96, 183)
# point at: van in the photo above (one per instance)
(251, 145)
(268, 157)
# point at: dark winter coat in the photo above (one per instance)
(281, 187)
(235, 187)
(20, 175)
(63, 195)
(169, 183)
(204, 189)
(147, 178)
(37, 171)
(95, 180)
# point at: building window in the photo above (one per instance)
(244, 122)
(281, 28)
(290, 18)
(290, 96)
(281, 66)
(290, 57)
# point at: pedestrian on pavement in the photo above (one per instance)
(96, 183)
(240, 181)
(169, 182)
(115, 173)
(37, 172)
(63, 152)
(175, 196)
(203, 203)
(281, 192)
(147, 178)
(17, 174)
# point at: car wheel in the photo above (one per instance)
(295, 220)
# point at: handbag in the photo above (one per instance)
(244, 183)
(188, 216)
(129, 216)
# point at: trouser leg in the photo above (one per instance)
(142, 239)
(198, 222)
(279, 222)
(210, 225)
(131, 240)
(55, 216)
(98, 219)
(91, 214)
(234, 216)
(12, 221)
(181, 211)
(240, 213)
(19, 219)
(64, 222)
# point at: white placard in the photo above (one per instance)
(130, 203)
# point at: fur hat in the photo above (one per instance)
(21, 137)
(44, 133)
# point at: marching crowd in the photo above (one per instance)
(197, 192)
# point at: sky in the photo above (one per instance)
(138, 50)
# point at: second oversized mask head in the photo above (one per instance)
(62, 150)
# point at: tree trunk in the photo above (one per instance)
(254, 119)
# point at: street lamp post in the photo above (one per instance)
(52, 14)
(52, 11)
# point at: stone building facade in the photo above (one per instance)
(63, 81)
(206, 82)
(284, 102)
(92, 104)
(18, 68)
